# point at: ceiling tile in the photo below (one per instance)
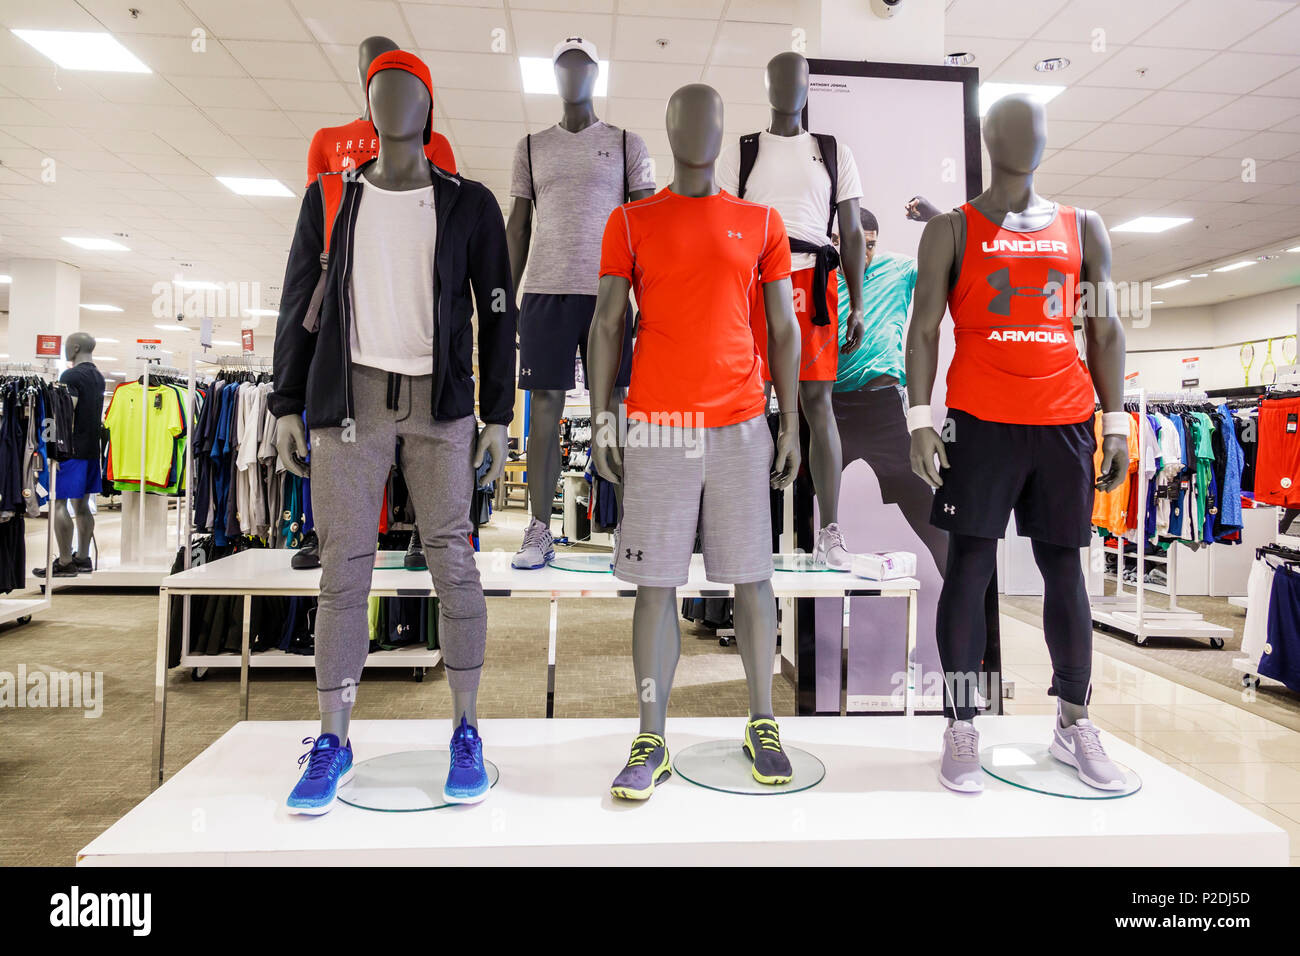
(474, 104)
(468, 29)
(638, 38)
(1212, 24)
(280, 60)
(536, 32)
(634, 79)
(747, 44)
(484, 71)
(157, 17)
(250, 19)
(177, 57)
(1253, 112)
(698, 9)
(1120, 21)
(1006, 18)
(351, 22)
(1145, 67)
(1236, 72)
(225, 91)
(310, 95)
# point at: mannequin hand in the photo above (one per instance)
(854, 330)
(785, 460)
(608, 460)
(291, 444)
(491, 441)
(1114, 462)
(926, 446)
(920, 209)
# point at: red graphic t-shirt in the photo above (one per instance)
(336, 148)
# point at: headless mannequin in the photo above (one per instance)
(76, 350)
(787, 92)
(1015, 133)
(575, 76)
(694, 119)
(400, 109)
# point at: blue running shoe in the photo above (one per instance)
(467, 779)
(329, 766)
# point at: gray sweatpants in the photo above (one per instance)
(349, 467)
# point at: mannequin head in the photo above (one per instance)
(78, 347)
(575, 76)
(367, 50)
(399, 105)
(787, 83)
(694, 121)
(1015, 132)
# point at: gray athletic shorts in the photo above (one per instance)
(678, 479)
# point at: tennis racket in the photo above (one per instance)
(1247, 359)
(1268, 371)
(1289, 349)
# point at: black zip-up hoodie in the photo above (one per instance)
(313, 369)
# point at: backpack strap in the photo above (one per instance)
(528, 145)
(748, 156)
(627, 182)
(331, 196)
(830, 159)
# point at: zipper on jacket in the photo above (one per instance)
(345, 297)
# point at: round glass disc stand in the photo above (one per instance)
(801, 562)
(599, 563)
(723, 765)
(1032, 767)
(403, 782)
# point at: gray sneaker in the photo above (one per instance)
(1080, 747)
(960, 769)
(829, 550)
(647, 766)
(538, 548)
(763, 744)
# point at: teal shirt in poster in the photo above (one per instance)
(886, 300)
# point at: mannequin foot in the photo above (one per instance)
(60, 570)
(84, 565)
(647, 766)
(960, 769)
(415, 560)
(1079, 745)
(329, 766)
(308, 554)
(829, 550)
(538, 548)
(467, 779)
(763, 744)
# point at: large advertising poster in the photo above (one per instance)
(914, 132)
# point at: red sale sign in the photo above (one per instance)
(49, 345)
(247, 336)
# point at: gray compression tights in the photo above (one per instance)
(657, 644)
(825, 457)
(81, 520)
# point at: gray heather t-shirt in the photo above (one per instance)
(577, 181)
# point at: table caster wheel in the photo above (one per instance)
(25, 619)
(1249, 680)
(419, 675)
(199, 674)
(1216, 643)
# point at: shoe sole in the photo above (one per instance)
(477, 798)
(758, 776)
(972, 787)
(1067, 758)
(533, 567)
(411, 567)
(624, 793)
(327, 807)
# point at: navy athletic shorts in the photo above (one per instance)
(1044, 473)
(553, 333)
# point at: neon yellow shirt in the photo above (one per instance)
(163, 424)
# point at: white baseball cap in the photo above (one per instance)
(575, 43)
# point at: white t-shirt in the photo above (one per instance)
(392, 280)
(789, 176)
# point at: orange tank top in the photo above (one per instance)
(1013, 306)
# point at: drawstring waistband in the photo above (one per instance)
(394, 390)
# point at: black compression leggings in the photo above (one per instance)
(1067, 620)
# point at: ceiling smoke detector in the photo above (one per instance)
(1051, 64)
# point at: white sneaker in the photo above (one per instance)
(538, 548)
(829, 550)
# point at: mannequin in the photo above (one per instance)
(377, 342)
(1020, 433)
(79, 477)
(574, 174)
(334, 149)
(694, 252)
(783, 178)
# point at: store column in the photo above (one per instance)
(44, 299)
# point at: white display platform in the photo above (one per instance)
(880, 804)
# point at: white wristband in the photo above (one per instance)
(919, 416)
(1115, 423)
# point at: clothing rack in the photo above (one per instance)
(1131, 615)
(20, 610)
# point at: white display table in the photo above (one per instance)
(267, 572)
(881, 804)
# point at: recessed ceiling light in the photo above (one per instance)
(196, 284)
(1151, 224)
(959, 59)
(245, 186)
(107, 358)
(1051, 64)
(1199, 275)
(261, 312)
(4, 354)
(105, 339)
(1265, 258)
(1156, 302)
(538, 74)
(1171, 283)
(990, 93)
(174, 327)
(99, 307)
(224, 342)
(74, 50)
(5, 280)
(96, 245)
(1234, 266)
(1292, 249)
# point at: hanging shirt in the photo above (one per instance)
(1110, 508)
(163, 423)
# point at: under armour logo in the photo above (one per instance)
(818, 159)
(950, 509)
(525, 371)
(603, 152)
(734, 235)
(1000, 280)
(631, 556)
(429, 203)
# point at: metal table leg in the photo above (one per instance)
(243, 657)
(909, 708)
(844, 658)
(160, 689)
(550, 658)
